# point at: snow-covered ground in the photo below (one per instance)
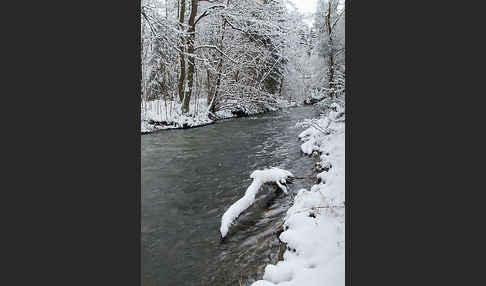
(169, 116)
(314, 226)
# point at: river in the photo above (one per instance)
(191, 176)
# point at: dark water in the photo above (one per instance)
(190, 177)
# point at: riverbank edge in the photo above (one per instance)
(275, 273)
(173, 127)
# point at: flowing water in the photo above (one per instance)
(190, 177)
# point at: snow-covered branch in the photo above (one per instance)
(259, 177)
(217, 49)
(208, 12)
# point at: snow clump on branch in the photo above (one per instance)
(259, 177)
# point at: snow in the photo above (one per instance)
(314, 226)
(259, 177)
(169, 113)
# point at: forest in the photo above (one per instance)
(207, 60)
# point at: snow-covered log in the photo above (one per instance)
(259, 177)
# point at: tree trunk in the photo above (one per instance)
(218, 84)
(209, 87)
(214, 100)
(142, 49)
(182, 75)
(331, 53)
(191, 58)
(331, 75)
(220, 71)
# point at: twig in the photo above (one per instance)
(324, 131)
(217, 49)
(323, 207)
(206, 13)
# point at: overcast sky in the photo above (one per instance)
(305, 6)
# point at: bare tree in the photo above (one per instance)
(333, 16)
(182, 73)
(191, 57)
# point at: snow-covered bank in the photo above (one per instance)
(259, 177)
(160, 114)
(314, 226)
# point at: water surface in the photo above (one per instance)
(190, 177)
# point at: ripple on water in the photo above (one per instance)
(190, 177)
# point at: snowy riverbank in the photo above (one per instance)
(313, 229)
(159, 114)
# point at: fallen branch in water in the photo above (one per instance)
(260, 177)
(300, 178)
